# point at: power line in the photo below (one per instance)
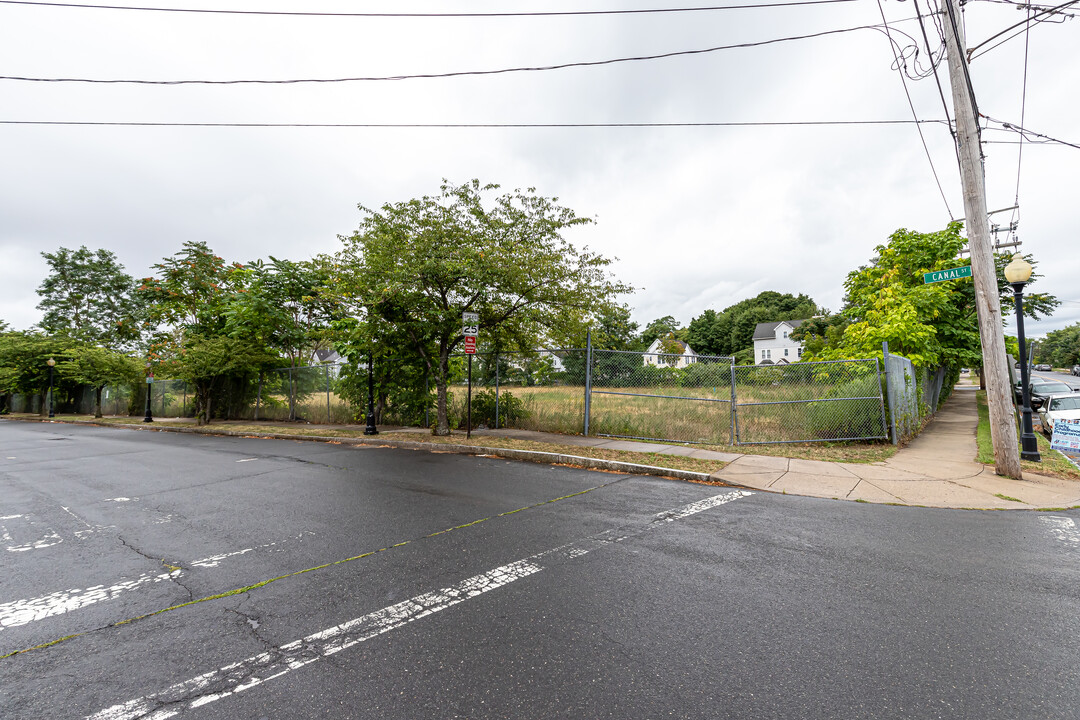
(781, 123)
(426, 15)
(937, 78)
(1023, 109)
(926, 149)
(460, 73)
(1024, 132)
(1025, 21)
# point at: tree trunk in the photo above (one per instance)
(97, 400)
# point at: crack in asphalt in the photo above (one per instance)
(174, 570)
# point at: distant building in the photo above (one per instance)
(656, 356)
(326, 355)
(773, 344)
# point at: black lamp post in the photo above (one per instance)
(52, 405)
(1018, 272)
(148, 417)
(370, 429)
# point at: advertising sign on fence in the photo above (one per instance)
(1066, 437)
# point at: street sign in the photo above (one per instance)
(942, 275)
(149, 379)
(470, 326)
(470, 344)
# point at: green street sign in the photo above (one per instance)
(940, 275)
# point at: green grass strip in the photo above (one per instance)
(262, 583)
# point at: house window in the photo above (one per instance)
(785, 334)
(766, 354)
(785, 352)
(800, 352)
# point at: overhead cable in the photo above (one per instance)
(425, 15)
(903, 81)
(779, 123)
(460, 73)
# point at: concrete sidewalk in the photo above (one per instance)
(937, 469)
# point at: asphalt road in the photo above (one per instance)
(603, 596)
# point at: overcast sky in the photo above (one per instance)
(698, 217)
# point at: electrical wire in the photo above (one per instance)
(918, 126)
(426, 15)
(1016, 34)
(937, 79)
(1025, 21)
(1023, 107)
(460, 73)
(780, 123)
(1026, 134)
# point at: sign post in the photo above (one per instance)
(470, 326)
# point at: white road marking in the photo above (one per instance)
(1064, 529)
(119, 499)
(48, 540)
(22, 612)
(247, 460)
(261, 668)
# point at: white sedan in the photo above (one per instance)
(1058, 407)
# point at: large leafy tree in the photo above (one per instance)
(1060, 348)
(286, 307)
(24, 362)
(658, 328)
(189, 300)
(98, 367)
(931, 324)
(419, 264)
(731, 331)
(88, 297)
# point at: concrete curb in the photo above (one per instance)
(535, 456)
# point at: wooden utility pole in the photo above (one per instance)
(983, 270)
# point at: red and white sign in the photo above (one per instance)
(470, 344)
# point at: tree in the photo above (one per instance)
(88, 297)
(1061, 348)
(419, 264)
(24, 362)
(614, 330)
(931, 324)
(284, 306)
(658, 328)
(98, 367)
(732, 331)
(206, 363)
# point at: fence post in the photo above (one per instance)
(881, 397)
(427, 400)
(496, 390)
(734, 408)
(733, 402)
(327, 369)
(890, 393)
(588, 378)
(258, 397)
(292, 396)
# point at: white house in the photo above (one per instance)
(773, 344)
(656, 356)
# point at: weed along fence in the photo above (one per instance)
(703, 399)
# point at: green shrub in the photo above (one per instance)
(839, 418)
(511, 409)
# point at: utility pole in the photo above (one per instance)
(983, 270)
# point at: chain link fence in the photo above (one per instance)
(809, 402)
(660, 397)
(672, 398)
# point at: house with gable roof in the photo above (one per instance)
(773, 344)
(655, 355)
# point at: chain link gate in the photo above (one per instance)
(658, 396)
(827, 401)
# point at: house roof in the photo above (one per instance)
(683, 347)
(767, 331)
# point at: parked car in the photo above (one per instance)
(1057, 408)
(1042, 389)
(1043, 367)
